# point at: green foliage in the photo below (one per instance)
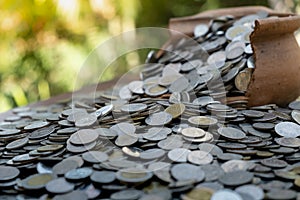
(45, 42)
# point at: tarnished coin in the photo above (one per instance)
(103, 177)
(200, 30)
(198, 193)
(36, 125)
(295, 105)
(296, 116)
(136, 87)
(253, 113)
(211, 148)
(243, 79)
(74, 195)
(8, 173)
(170, 143)
(236, 31)
(59, 186)
(236, 178)
(212, 172)
(50, 147)
(157, 133)
(184, 172)
(279, 194)
(179, 85)
(203, 101)
(202, 121)
(133, 175)
(84, 136)
(288, 129)
(86, 121)
(158, 119)
(41, 133)
(226, 194)
(153, 153)
(37, 181)
(200, 157)
(134, 107)
(78, 174)
(128, 194)
(231, 133)
(188, 66)
(288, 142)
(126, 140)
(274, 163)
(178, 154)
(216, 57)
(124, 128)
(155, 90)
(175, 110)
(263, 126)
(94, 156)
(64, 166)
(17, 143)
(193, 132)
(254, 191)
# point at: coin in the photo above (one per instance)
(94, 156)
(202, 121)
(287, 129)
(37, 181)
(242, 80)
(175, 110)
(288, 142)
(296, 116)
(64, 166)
(274, 163)
(59, 186)
(126, 194)
(254, 191)
(200, 30)
(236, 178)
(184, 171)
(74, 195)
(231, 133)
(84, 136)
(193, 132)
(198, 193)
(281, 194)
(178, 154)
(78, 174)
(226, 194)
(8, 173)
(158, 119)
(103, 177)
(17, 143)
(134, 107)
(151, 154)
(199, 157)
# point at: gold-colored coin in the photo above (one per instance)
(175, 110)
(243, 79)
(198, 194)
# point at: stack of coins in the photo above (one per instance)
(167, 136)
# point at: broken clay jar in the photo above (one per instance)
(276, 78)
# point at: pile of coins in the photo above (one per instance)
(167, 136)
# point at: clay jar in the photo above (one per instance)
(276, 78)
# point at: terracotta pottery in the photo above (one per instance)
(276, 78)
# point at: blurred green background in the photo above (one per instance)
(45, 42)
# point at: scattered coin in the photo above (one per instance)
(231, 133)
(59, 186)
(37, 181)
(287, 129)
